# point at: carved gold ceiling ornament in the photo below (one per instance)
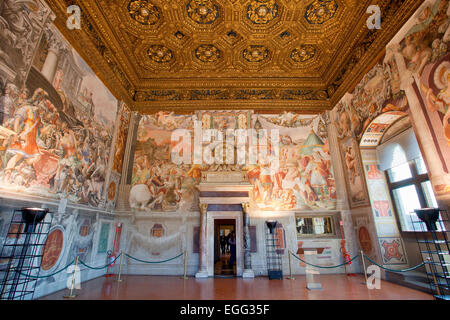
(262, 11)
(320, 11)
(159, 53)
(303, 53)
(202, 11)
(207, 53)
(116, 46)
(255, 53)
(144, 12)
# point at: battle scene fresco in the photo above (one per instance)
(158, 183)
(56, 119)
(304, 179)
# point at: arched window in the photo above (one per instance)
(407, 177)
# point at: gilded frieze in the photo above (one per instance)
(232, 94)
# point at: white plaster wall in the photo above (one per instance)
(172, 222)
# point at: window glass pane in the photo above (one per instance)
(304, 226)
(318, 225)
(407, 200)
(314, 226)
(399, 173)
(420, 165)
(429, 194)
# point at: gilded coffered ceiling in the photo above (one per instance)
(267, 55)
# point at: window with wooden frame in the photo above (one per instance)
(315, 226)
(411, 189)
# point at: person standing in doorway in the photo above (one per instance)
(223, 244)
(232, 243)
(227, 243)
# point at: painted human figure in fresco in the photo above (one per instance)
(23, 145)
(68, 160)
(265, 183)
(320, 172)
(348, 122)
(306, 190)
(15, 33)
(206, 121)
(350, 163)
(121, 141)
(242, 121)
(427, 40)
(440, 102)
(7, 103)
(195, 172)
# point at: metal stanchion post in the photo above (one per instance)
(72, 295)
(290, 266)
(364, 266)
(185, 265)
(120, 267)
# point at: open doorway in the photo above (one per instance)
(224, 250)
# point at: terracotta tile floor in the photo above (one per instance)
(335, 287)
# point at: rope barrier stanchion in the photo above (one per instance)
(185, 265)
(46, 276)
(395, 270)
(102, 267)
(364, 266)
(72, 295)
(120, 267)
(325, 267)
(290, 266)
(143, 261)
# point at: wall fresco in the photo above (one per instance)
(303, 180)
(57, 120)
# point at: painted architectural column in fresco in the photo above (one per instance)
(51, 61)
(202, 272)
(129, 150)
(127, 165)
(338, 168)
(428, 148)
(248, 272)
(342, 203)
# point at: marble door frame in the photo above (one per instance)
(211, 216)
